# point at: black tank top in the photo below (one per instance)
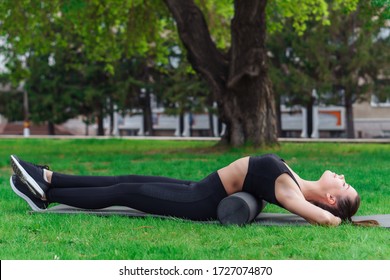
(262, 174)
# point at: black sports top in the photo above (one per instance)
(262, 174)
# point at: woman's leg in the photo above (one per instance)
(59, 180)
(196, 201)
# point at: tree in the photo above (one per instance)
(341, 61)
(135, 81)
(10, 100)
(89, 33)
(11, 95)
(238, 78)
(181, 90)
(235, 71)
(249, 117)
(48, 100)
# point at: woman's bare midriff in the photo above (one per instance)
(233, 175)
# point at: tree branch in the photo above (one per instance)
(201, 50)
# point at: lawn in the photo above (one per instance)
(52, 236)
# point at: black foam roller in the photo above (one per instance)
(239, 209)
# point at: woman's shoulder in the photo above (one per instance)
(240, 161)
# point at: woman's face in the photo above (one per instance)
(337, 186)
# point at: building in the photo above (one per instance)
(371, 120)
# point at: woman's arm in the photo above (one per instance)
(292, 199)
(311, 213)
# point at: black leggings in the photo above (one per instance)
(150, 194)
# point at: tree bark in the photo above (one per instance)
(111, 116)
(249, 94)
(309, 116)
(349, 116)
(100, 123)
(278, 117)
(239, 83)
(211, 124)
(147, 113)
(51, 128)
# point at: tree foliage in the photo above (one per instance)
(106, 32)
(342, 61)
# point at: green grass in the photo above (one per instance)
(52, 236)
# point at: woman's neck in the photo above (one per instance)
(311, 190)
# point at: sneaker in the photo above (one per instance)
(32, 175)
(23, 190)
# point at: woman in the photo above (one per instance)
(328, 201)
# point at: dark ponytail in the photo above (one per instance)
(345, 209)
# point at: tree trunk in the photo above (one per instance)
(111, 117)
(147, 114)
(51, 128)
(211, 124)
(239, 83)
(181, 123)
(279, 118)
(250, 118)
(100, 123)
(249, 97)
(349, 116)
(309, 117)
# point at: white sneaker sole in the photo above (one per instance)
(25, 197)
(22, 173)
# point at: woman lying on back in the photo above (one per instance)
(327, 201)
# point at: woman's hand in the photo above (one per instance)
(335, 221)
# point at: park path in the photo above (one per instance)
(297, 140)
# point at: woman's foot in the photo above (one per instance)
(23, 190)
(32, 175)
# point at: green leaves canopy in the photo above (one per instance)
(111, 29)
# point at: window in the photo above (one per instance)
(380, 102)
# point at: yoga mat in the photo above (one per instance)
(270, 219)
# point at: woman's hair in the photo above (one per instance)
(345, 209)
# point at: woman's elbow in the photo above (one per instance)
(328, 220)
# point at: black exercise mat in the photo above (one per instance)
(273, 219)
